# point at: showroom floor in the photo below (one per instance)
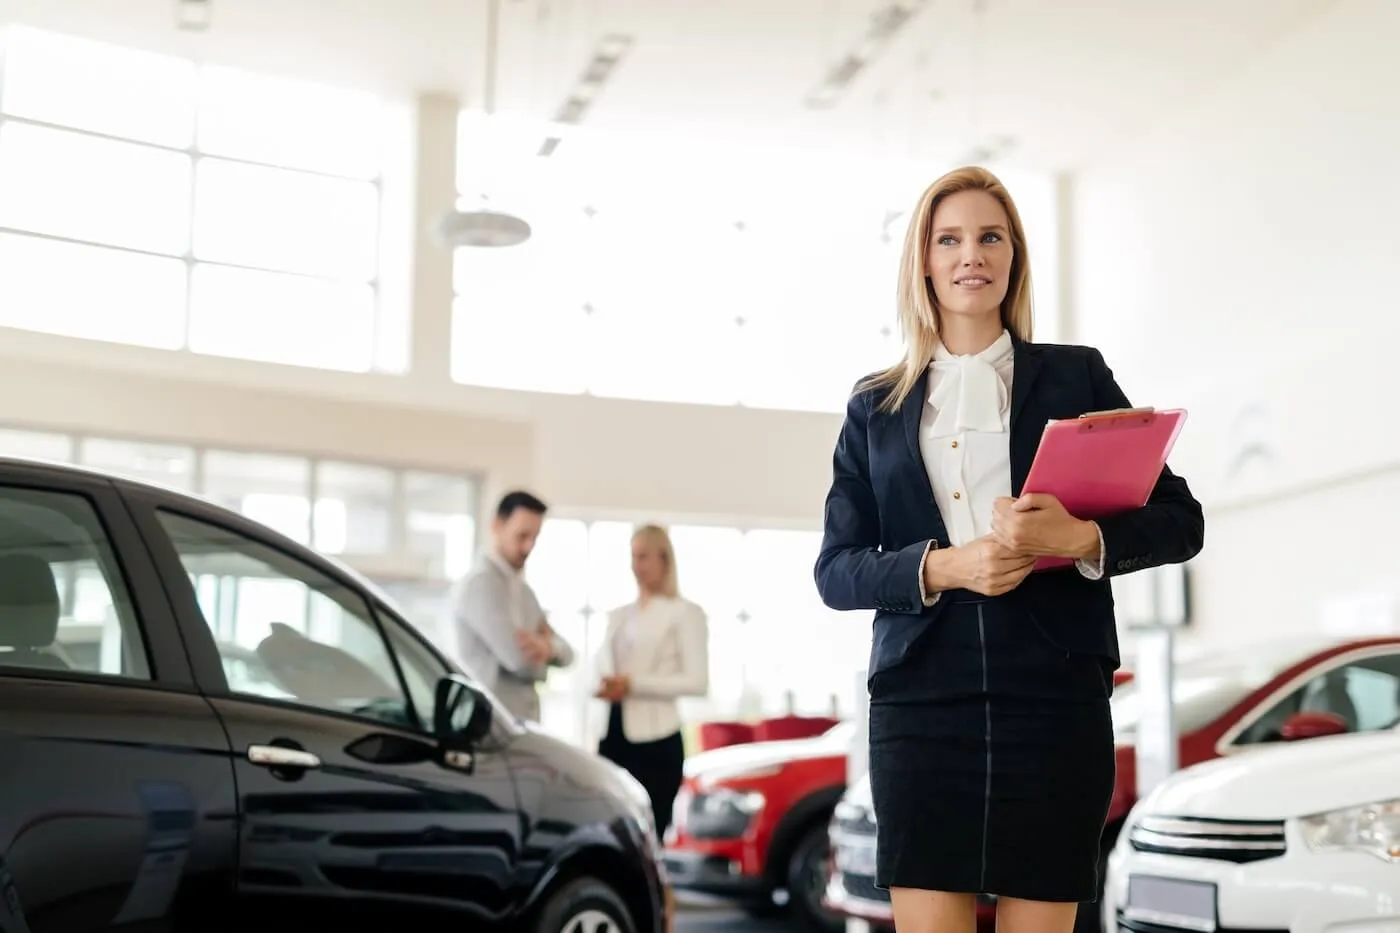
(718, 920)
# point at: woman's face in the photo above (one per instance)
(969, 254)
(648, 564)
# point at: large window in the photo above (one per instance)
(773, 646)
(696, 274)
(148, 200)
(412, 531)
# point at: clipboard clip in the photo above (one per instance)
(1116, 418)
(1116, 411)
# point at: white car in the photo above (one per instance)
(1301, 838)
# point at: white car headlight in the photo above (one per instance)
(1370, 827)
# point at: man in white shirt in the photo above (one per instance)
(502, 636)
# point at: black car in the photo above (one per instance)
(354, 778)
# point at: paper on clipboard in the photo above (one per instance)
(1103, 463)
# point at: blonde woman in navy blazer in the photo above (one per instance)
(991, 747)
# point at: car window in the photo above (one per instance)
(1364, 693)
(421, 669)
(284, 629)
(64, 605)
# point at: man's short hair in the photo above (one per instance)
(519, 499)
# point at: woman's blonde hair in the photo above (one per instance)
(916, 301)
(657, 536)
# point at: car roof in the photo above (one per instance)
(196, 505)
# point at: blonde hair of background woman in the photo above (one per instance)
(916, 301)
(658, 537)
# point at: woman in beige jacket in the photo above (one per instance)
(656, 650)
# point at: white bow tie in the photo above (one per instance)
(969, 396)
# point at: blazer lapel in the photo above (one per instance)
(912, 412)
(1027, 419)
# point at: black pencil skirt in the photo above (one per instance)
(658, 766)
(991, 758)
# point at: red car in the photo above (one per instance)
(1225, 703)
(750, 824)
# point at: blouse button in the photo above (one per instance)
(957, 495)
(955, 444)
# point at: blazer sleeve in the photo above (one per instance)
(1170, 528)
(564, 654)
(852, 571)
(481, 611)
(693, 679)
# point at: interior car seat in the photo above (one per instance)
(1335, 698)
(29, 610)
(317, 672)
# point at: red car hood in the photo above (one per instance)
(733, 760)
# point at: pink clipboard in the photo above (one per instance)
(1103, 463)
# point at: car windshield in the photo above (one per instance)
(1208, 685)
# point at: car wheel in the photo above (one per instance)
(584, 905)
(806, 882)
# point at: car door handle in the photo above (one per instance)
(277, 756)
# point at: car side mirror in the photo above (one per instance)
(1311, 726)
(461, 713)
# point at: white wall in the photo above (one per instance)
(1241, 260)
(587, 455)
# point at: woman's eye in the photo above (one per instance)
(991, 238)
(947, 241)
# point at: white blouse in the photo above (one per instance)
(964, 439)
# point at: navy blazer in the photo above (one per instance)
(880, 512)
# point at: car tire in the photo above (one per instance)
(806, 881)
(584, 905)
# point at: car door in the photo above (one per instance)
(116, 792)
(349, 812)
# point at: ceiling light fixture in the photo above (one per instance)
(484, 226)
(885, 24)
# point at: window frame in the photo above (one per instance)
(1305, 671)
(206, 662)
(503, 723)
(193, 151)
(130, 560)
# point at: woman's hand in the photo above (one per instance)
(1038, 524)
(983, 566)
(614, 688)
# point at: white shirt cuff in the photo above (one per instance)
(1093, 570)
(924, 597)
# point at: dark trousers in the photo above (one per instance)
(657, 766)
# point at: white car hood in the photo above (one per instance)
(1283, 781)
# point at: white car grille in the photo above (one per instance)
(1222, 840)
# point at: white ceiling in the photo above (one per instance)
(1063, 79)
